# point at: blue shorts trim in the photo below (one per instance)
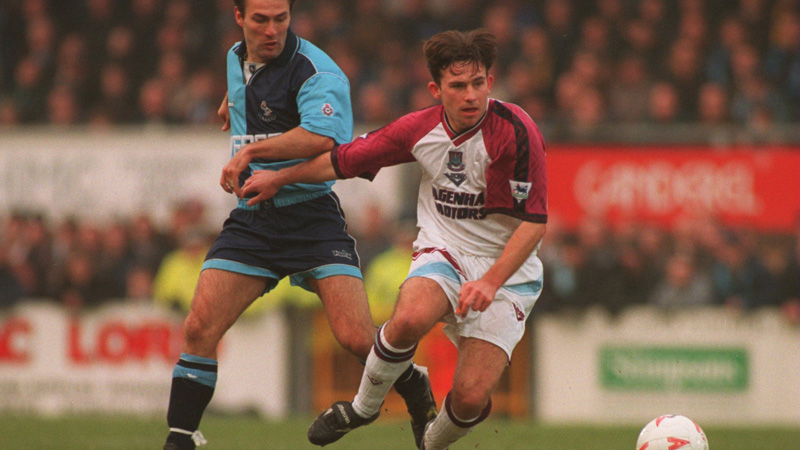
(318, 273)
(233, 266)
(436, 268)
(533, 288)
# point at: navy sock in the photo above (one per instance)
(193, 381)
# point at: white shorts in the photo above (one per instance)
(503, 322)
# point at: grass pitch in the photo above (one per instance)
(22, 432)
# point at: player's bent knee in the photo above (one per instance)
(197, 333)
(407, 327)
(356, 343)
(469, 403)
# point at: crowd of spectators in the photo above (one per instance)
(568, 62)
(699, 262)
(81, 264)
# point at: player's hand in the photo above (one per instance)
(263, 183)
(229, 180)
(475, 295)
(224, 113)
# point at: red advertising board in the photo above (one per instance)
(753, 187)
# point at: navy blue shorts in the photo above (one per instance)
(303, 240)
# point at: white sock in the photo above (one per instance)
(447, 428)
(384, 364)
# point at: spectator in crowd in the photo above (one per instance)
(629, 90)
(683, 285)
(80, 287)
(62, 106)
(12, 289)
(116, 94)
(139, 285)
(732, 35)
(713, 105)
(683, 70)
(114, 260)
(177, 276)
(149, 245)
(634, 278)
(664, 103)
(740, 280)
(782, 58)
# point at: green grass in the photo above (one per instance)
(238, 433)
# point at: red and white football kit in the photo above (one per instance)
(476, 188)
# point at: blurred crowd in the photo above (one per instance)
(697, 263)
(81, 264)
(572, 63)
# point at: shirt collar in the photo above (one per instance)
(459, 138)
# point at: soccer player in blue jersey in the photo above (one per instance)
(286, 101)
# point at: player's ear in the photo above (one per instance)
(489, 82)
(435, 91)
(239, 16)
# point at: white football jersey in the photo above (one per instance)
(476, 187)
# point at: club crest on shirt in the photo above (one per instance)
(456, 162)
(520, 189)
(266, 114)
(327, 109)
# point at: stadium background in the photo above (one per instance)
(672, 274)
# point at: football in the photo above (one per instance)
(672, 432)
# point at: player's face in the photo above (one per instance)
(464, 92)
(265, 24)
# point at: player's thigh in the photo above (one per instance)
(220, 298)
(420, 305)
(478, 371)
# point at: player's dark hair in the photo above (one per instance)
(459, 48)
(240, 4)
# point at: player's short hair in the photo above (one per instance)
(240, 4)
(450, 47)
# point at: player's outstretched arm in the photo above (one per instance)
(479, 294)
(265, 183)
(294, 144)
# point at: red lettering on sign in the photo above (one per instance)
(118, 342)
(12, 333)
(76, 353)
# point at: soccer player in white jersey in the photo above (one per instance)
(482, 212)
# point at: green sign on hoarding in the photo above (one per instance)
(674, 368)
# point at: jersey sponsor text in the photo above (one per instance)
(449, 204)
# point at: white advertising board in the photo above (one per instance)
(708, 364)
(120, 359)
(102, 176)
